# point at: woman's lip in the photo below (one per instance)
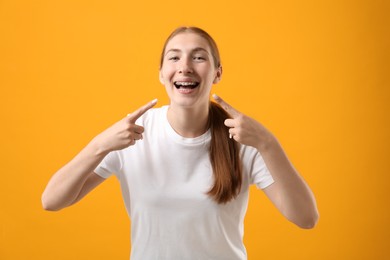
(186, 80)
(186, 91)
(183, 85)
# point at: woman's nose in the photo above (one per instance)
(185, 66)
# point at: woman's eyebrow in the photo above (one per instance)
(200, 49)
(172, 50)
(197, 49)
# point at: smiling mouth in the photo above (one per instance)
(186, 84)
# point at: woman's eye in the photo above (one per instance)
(174, 58)
(199, 58)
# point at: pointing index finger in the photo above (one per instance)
(228, 108)
(140, 111)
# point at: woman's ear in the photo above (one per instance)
(161, 77)
(218, 76)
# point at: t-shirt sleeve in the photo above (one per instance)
(260, 175)
(111, 164)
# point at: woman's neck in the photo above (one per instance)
(188, 122)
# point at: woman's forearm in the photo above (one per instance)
(66, 184)
(64, 187)
(291, 194)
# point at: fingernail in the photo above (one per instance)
(154, 101)
(215, 96)
(230, 136)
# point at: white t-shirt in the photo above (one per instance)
(164, 180)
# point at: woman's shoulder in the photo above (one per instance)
(153, 115)
(249, 154)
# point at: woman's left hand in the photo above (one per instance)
(290, 193)
(244, 129)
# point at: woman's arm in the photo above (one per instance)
(67, 183)
(74, 180)
(289, 193)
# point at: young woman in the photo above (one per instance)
(185, 169)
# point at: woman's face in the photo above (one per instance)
(188, 70)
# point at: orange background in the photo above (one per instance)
(316, 73)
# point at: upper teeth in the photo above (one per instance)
(186, 83)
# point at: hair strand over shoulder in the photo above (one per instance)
(224, 157)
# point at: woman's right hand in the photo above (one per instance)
(123, 133)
